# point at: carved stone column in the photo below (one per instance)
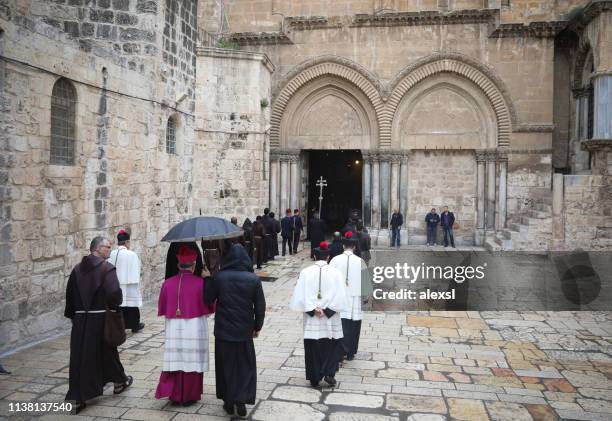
(384, 191)
(274, 182)
(481, 198)
(367, 188)
(502, 162)
(284, 183)
(491, 172)
(395, 175)
(294, 157)
(375, 191)
(602, 112)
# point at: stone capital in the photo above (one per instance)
(597, 145)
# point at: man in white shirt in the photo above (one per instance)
(358, 289)
(320, 296)
(128, 273)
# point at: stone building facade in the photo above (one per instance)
(140, 113)
(469, 104)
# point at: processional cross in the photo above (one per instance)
(320, 184)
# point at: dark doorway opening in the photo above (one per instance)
(342, 171)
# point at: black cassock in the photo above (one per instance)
(275, 231)
(92, 285)
(172, 261)
(317, 233)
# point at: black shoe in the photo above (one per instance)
(259, 267)
(229, 408)
(79, 407)
(350, 357)
(189, 403)
(314, 383)
(329, 380)
(139, 328)
(241, 409)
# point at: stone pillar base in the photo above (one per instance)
(479, 237)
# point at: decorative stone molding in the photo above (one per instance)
(534, 128)
(285, 155)
(584, 49)
(301, 23)
(386, 99)
(481, 155)
(502, 156)
(236, 55)
(590, 11)
(484, 78)
(533, 30)
(597, 145)
(424, 18)
(259, 38)
(314, 68)
(530, 151)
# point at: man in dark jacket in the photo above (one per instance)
(92, 286)
(317, 229)
(364, 242)
(397, 220)
(298, 227)
(287, 231)
(336, 247)
(447, 220)
(241, 308)
(432, 219)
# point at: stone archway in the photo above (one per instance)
(325, 103)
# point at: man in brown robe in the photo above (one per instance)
(259, 248)
(92, 286)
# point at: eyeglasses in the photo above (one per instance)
(106, 247)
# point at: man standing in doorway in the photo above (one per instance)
(432, 219)
(287, 231)
(447, 220)
(298, 227)
(397, 220)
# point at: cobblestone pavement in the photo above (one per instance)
(411, 366)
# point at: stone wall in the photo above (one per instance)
(587, 216)
(232, 133)
(437, 179)
(127, 75)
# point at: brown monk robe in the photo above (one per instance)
(247, 236)
(213, 250)
(259, 234)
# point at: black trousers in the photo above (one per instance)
(351, 330)
(296, 241)
(287, 240)
(322, 357)
(131, 316)
(235, 371)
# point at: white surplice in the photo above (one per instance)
(128, 273)
(186, 347)
(326, 280)
(351, 267)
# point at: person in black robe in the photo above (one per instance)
(259, 235)
(364, 242)
(172, 261)
(336, 248)
(240, 313)
(247, 228)
(268, 224)
(276, 229)
(317, 233)
(92, 287)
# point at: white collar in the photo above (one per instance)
(348, 252)
(320, 263)
(122, 247)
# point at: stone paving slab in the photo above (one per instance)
(414, 366)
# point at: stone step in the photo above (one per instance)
(491, 244)
(528, 220)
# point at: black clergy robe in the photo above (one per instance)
(92, 285)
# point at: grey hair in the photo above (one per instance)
(95, 243)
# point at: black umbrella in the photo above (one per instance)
(202, 228)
